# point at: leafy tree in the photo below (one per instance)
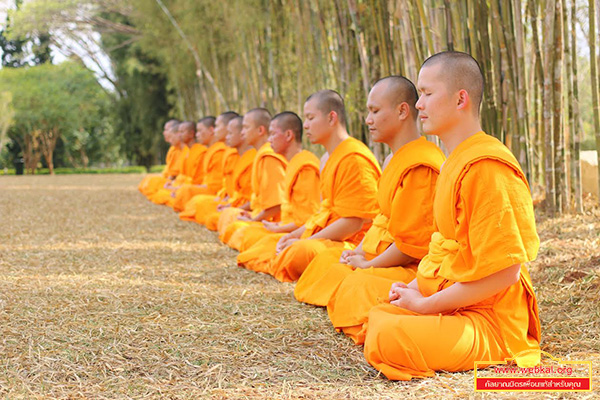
(49, 101)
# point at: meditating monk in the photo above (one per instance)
(152, 183)
(301, 184)
(348, 190)
(236, 169)
(175, 165)
(213, 165)
(186, 132)
(400, 234)
(472, 299)
(268, 172)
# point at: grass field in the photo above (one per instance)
(105, 295)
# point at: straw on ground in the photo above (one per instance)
(105, 295)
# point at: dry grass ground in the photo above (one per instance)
(105, 295)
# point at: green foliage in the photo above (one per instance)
(64, 99)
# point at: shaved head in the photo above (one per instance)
(228, 116)
(261, 117)
(288, 120)
(170, 123)
(460, 71)
(208, 121)
(398, 90)
(236, 123)
(187, 126)
(328, 101)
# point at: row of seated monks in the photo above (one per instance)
(422, 261)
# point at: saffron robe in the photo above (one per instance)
(172, 168)
(405, 198)
(206, 203)
(348, 189)
(267, 180)
(301, 200)
(485, 223)
(162, 195)
(212, 179)
(151, 180)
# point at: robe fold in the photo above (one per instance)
(405, 197)
(203, 208)
(485, 222)
(301, 200)
(162, 195)
(154, 182)
(267, 179)
(348, 189)
(209, 202)
(212, 180)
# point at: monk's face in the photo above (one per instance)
(436, 104)
(250, 130)
(185, 134)
(167, 133)
(203, 133)
(220, 128)
(382, 119)
(316, 123)
(277, 138)
(234, 134)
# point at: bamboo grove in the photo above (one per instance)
(239, 54)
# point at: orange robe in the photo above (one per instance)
(348, 189)
(193, 170)
(301, 200)
(405, 197)
(153, 181)
(208, 202)
(485, 223)
(162, 195)
(171, 169)
(267, 180)
(212, 179)
(241, 195)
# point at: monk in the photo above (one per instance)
(236, 167)
(180, 152)
(348, 190)
(212, 164)
(301, 185)
(472, 299)
(152, 183)
(400, 234)
(186, 132)
(267, 180)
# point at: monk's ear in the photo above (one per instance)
(463, 99)
(289, 135)
(403, 111)
(333, 117)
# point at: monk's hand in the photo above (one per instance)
(394, 294)
(221, 207)
(345, 255)
(272, 226)
(244, 216)
(284, 242)
(358, 261)
(409, 299)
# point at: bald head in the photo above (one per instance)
(288, 120)
(208, 121)
(228, 116)
(187, 126)
(460, 71)
(328, 101)
(397, 90)
(260, 117)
